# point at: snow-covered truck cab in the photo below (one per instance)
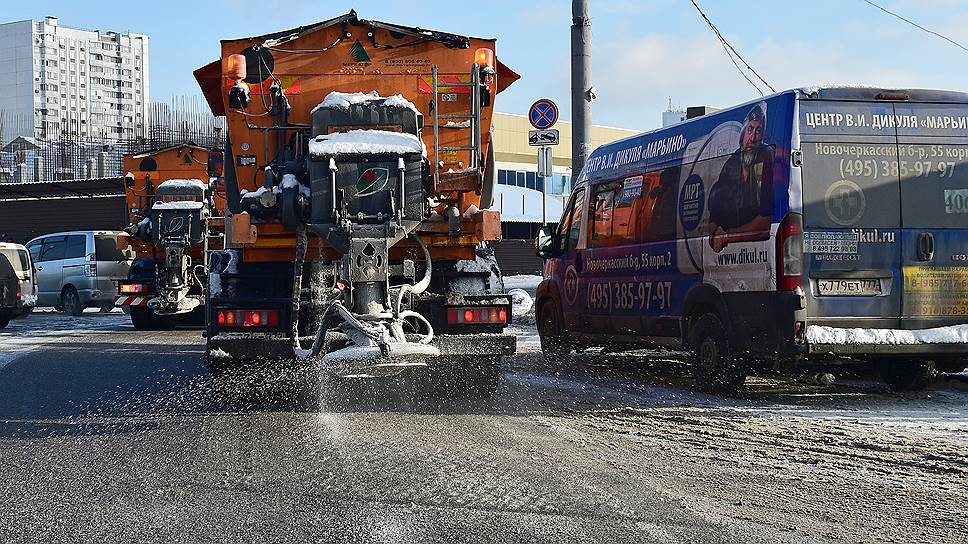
(806, 228)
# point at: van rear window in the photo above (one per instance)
(106, 249)
(17, 258)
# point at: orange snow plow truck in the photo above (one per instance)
(358, 173)
(165, 284)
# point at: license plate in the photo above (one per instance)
(848, 288)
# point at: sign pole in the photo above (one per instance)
(544, 197)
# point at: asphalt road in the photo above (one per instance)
(108, 434)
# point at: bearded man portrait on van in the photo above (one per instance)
(741, 200)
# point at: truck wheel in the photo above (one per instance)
(142, 318)
(554, 345)
(951, 366)
(165, 322)
(71, 302)
(715, 368)
(906, 375)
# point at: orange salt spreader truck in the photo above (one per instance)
(359, 167)
(166, 282)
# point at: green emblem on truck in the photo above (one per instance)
(360, 54)
(371, 181)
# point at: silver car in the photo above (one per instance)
(77, 270)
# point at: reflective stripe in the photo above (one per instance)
(130, 301)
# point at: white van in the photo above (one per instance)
(77, 270)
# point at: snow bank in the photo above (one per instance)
(183, 184)
(522, 306)
(178, 205)
(365, 142)
(955, 334)
(343, 101)
(528, 282)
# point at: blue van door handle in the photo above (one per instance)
(925, 246)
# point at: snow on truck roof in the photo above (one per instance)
(343, 101)
(365, 142)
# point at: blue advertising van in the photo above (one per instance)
(813, 226)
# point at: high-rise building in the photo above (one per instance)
(72, 83)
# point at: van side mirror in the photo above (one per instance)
(544, 243)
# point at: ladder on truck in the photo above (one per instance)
(469, 179)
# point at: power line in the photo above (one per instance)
(910, 22)
(730, 51)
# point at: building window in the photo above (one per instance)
(530, 177)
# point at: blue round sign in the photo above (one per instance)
(543, 114)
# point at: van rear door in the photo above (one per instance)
(851, 213)
(933, 149)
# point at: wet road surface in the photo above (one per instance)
(111, 434)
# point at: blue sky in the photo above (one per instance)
(644, 51)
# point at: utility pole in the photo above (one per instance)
(581, 88)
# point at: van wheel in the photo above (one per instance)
(951, 366)
(554, 346)
(142, 318)
(906, 375)
(714, 367)
(71, 302)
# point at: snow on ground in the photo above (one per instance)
(528, 282)
(365, 141)
(955, 334)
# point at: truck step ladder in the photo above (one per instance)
(468, 179)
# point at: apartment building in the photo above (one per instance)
(58, 82)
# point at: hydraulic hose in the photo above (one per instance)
(420, 286)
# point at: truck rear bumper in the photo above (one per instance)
(278, 346)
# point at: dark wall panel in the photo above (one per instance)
(21, 220)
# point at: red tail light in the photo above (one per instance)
(247, 318)
(133, 288)
(20, 294)
(478, 315)
(789, 253)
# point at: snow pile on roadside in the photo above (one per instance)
(528, 282)
(343, 101)
(183, 184)
(955, 334)
(522, 307)
(365, 142)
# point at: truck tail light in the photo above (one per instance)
(789, 253)
(133, 288)
(478, 315)
(247, 318)
(20, 294)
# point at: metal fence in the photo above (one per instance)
(24, 158)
